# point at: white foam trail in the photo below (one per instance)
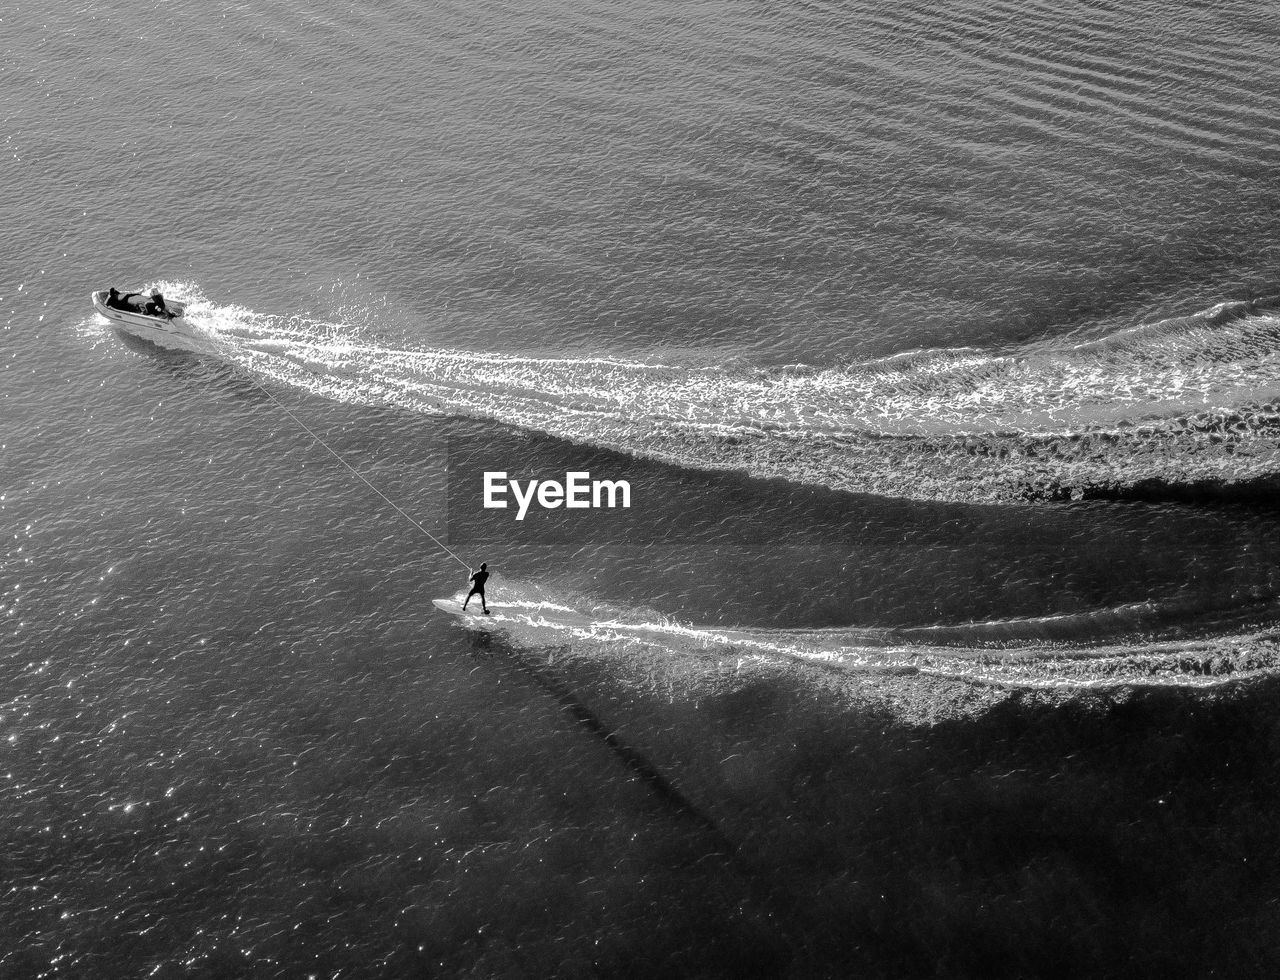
(900, 426)
(532, 620)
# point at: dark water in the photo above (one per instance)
(939, 347)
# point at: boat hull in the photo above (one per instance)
(154, 328)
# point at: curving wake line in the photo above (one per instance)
(1186, 403)
(1001, 655)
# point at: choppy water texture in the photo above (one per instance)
(941, 344)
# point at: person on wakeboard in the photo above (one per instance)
(479, 577)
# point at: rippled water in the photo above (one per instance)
(939, 346)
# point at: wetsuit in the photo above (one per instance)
(479, 578)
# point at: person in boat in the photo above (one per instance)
(117, 300)
(479, 577)
(155, 306)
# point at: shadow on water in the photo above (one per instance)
(195, 367)
(778, 931)
(522, 663)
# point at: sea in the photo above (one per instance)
(938, 346)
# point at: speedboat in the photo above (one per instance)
(136, 314)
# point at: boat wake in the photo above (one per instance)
(1006, 655)
(1179, 408)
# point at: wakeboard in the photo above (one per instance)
(453, 606)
